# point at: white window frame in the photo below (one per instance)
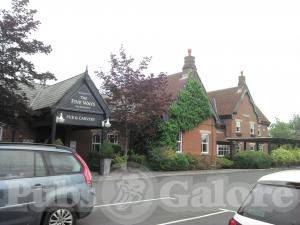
(205, 136)
(179, 143)
(1, 132)
(252, 128)
(225, 149)
(115, 138)
(238, 126)
(95, 143)
(261, 147)
(259, 131)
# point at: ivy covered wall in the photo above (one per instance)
(189, 110)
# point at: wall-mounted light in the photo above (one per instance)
(106, 123)
(60, 118)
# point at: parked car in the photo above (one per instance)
(275, 199)
(43, 185)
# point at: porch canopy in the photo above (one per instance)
(264, 140)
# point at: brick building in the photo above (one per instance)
(234, 115)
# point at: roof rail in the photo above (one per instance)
(37, 144)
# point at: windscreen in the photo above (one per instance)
(275, 204)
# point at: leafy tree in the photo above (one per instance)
(281, 129)
(16, 28)
(295, 125)
(136, 99)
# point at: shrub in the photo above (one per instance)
(197, 162)
(283, 157)
(252, 160)
(117, 149)
(137, 158)
(224, 163)
(106, 151)
(166, 159)
(181, 162)
(296, 153)
(118, 160)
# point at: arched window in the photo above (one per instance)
(96, 142)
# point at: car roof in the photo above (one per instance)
(283, 176)
(34, 146)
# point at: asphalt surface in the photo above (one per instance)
(181, 200)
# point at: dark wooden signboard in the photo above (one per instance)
(78, 118)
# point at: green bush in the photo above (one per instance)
(181, 162)
(252, 160)
(197, 162)
(224, 163)
(117, 149)
(118, 160)
(137, 158)
(296, 153)
(107, 151)
(166, 159)
(283, 157)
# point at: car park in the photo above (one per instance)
(275, 199)
(44, 185)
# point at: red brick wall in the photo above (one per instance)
(192, 142)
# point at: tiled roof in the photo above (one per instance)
(46, 96)
(226, 100)
(175, 83)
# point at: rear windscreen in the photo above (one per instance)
(273, 204)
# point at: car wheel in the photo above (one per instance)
(59, 216)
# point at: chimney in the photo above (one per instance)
(189, 62)
(242, 80)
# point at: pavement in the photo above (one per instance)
(142, 197)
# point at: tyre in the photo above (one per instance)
(59, 216)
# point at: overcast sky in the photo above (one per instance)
(260, 37)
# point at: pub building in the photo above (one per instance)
(71, 110)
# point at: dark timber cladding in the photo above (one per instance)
(75, 102)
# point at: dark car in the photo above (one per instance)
(43, 185)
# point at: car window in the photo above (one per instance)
(40, 169)
(62, 163)
(273, 204)
(16, 164)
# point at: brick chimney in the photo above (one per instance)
(242, 80)
(189, 62)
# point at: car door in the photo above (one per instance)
(17, 171)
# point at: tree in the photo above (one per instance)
(16, 28)
(136, 99)
(281, 129)
(295, 125)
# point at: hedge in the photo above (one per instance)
(252, 160)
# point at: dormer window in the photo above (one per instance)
(238, 126)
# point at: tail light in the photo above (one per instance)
(233, 222)
(86, 170)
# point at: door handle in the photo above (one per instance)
(37, 186)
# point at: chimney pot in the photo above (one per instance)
(242, 80)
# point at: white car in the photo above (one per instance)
(275, 199)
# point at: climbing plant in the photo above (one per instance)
(189, 110)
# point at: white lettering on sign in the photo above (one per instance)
(83, 102)
(81, 118)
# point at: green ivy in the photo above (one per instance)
(189, 110)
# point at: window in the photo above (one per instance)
(261, 147)
(223, 150)
(16, 164)
(179, 142)
(265, 203)
(252, 146)
(40, 169)
(205, 145)
(252, 128)
(112, 138)
(62, 163)
(259, 132)
(238, 126)
(238, 147)
(1, 131)
(96, 142)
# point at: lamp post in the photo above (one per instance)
(105, 124)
